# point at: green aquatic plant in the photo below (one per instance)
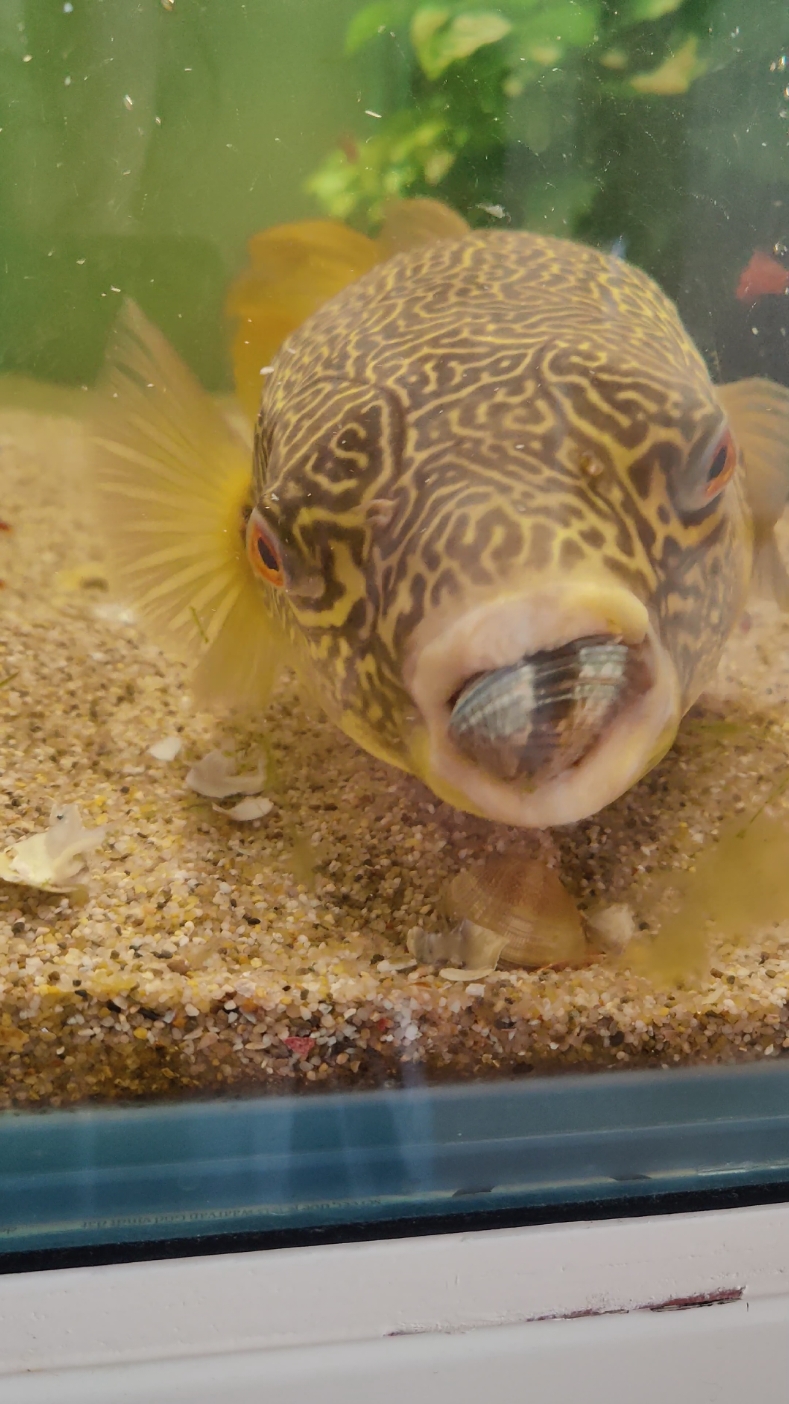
(546, 114)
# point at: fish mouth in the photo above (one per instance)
(541, 709)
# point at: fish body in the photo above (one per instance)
(495, 463)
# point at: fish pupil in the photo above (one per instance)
(267, 554)
(718, 463)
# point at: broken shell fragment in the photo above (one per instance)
(612, 928)
(213, 777)
(54, 860)
(247, 809)
(466, 945)
(521, 904)
(463, 976)
(167, 749)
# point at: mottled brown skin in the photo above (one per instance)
(473, 410)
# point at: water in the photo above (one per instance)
(310, 947)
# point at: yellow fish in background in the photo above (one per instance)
(499, 518)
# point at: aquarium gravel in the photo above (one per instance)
(205, 953)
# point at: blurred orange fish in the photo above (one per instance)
(763, 276)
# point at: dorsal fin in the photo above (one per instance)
(408, 223)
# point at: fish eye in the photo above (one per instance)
(702, 480)
(263, 552)
(721, 468)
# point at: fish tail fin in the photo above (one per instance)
(758, 411)
(409, 223)
(173, 481)
(293, 269)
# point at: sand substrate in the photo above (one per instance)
(204, 954)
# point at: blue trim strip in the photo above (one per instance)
(142, 1174)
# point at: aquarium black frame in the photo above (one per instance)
(117, 1184)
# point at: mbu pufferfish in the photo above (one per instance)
(499, 518)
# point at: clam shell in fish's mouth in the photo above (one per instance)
(535, 719)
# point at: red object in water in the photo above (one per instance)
(764, 275)
(299, 1045)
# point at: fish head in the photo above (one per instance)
(499, 510)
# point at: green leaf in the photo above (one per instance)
(439, 44)
(367, 22)
(410, 150)
(334, 186)
(638, 10)
(545, 35)
(675, 74)
(426, 23)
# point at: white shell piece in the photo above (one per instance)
(114, 612)
(247, 809)
(167, 749)
(612, 927)
(213, 776)
(53, 860)
(466, 944)
(450, 973)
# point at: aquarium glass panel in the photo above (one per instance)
(394, 656)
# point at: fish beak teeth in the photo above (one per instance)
(535, 719)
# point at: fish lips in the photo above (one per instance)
(470, 677)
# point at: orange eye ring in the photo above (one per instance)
(722, 466)
(263, 552)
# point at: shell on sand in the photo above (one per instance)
(523, 903)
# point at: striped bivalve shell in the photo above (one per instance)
(543, 714)
(516, 910)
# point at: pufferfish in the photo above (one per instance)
(498, 517)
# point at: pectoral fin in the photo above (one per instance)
(758, 412)
(173, 480)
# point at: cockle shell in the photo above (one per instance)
(537, 717)
(520, 905)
